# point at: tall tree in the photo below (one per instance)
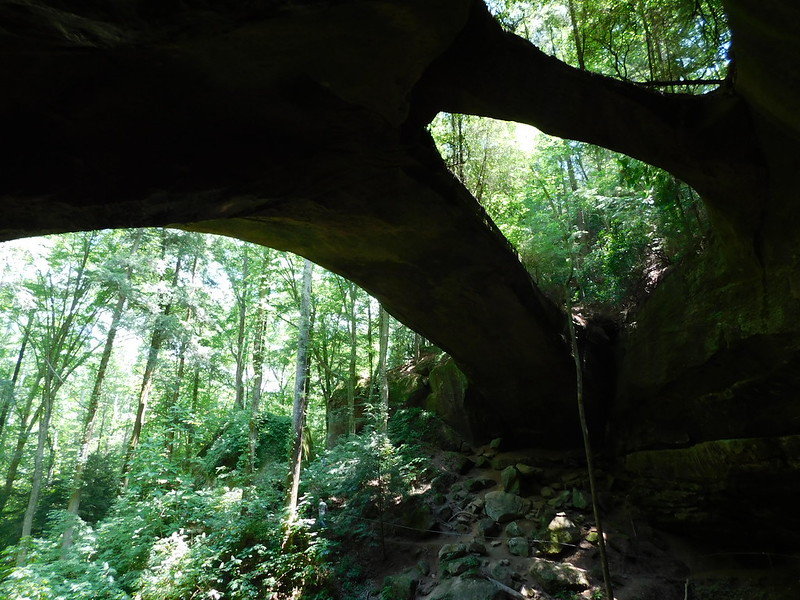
(66, 329)
(184, 341)
(300, 391)
(241, 290)
(74, 502)
(350, 304)
(8, 393)
(383, 352)
(157, 337)
(262, 316)
(26, 422)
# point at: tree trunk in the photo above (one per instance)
(156, 341)
(258, 363)
(91, 411)
(195, 395)
(576, 35)
(9, 394)
(241, 302)
(351, 363)
(587, 447)
(300, 396)
(173, 409)
(22, 439)
(383, 349)
(38, 470)
(370, 352)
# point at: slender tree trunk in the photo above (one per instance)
(156, 341)
(52, 442)
(258, 365)
(101, 431)
(576, 35)
(648, 36)
(10, 393)
(22, 439)
(587, 447)
(38, 470)
(173, 409)
(351, 363)
(370, 351)
(459, 154)
(73, 505)
(300, 396)
(383, 348)
(241, 301)
(195, 396)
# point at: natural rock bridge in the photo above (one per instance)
(301, 125)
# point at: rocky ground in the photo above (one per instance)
(518, 524)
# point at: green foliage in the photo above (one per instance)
(100, 486)
(229, 453)
(575, 212)
(635, 40)
(412, 429)
(362, 476)
(52, 573)
(176, 543)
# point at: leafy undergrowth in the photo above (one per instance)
(180, 544)
(216, 531)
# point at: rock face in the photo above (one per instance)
(731, 489)
(702, 413)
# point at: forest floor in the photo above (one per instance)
(645, 564)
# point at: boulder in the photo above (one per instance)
(460, 588)
(501, 461)
(529, 472)
(513, 529)
(509, 478)
(519, 546)
(478, 484)
(503, 573)
(402, 586)
(554, 577)
(477, 548)
(452, 551)
(488, 527)
(443, 481)
(467, 566)
(475, 506)
(417, 519)
(562, 534)
(504, 507)
(457, 463)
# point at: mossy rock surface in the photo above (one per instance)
(554, 577)
(461, 588)
(402, 586)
